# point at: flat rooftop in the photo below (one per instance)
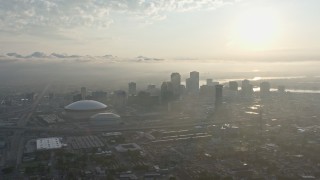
(49, 143)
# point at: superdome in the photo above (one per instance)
(85, 105)
(84, 109)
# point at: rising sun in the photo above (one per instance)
(256, 29)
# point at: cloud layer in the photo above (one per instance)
(56, 57)
(25, 15)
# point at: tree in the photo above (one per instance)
(7, 170)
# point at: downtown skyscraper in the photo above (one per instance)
(132, 88)
(192, 83)
(176, 84)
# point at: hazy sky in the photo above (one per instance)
(163, 28)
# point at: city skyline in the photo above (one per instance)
(204, 29)
(159, 89)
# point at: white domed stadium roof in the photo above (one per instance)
(85, 105)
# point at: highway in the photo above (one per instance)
(23, 110)
(15, 152)
(120, 128)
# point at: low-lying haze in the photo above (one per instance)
(113, 72)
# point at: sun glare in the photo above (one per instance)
(256, 29)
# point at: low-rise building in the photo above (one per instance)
(49, 143)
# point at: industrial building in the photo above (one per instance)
(49, 143)
(50, 119)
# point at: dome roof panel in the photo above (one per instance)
(85, 105)
(105, 116)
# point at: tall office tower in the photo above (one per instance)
(83, 93)
(182, 89)
(233, 85)
(264, 89)
(119, 98)
(209, 82)
(219, 89)
(244, 84)
(188, 85)
(207, 93)
(132, 88)
(176, 82)
(194, 82)
(151, 87)
(166, 92)
(246, 88)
